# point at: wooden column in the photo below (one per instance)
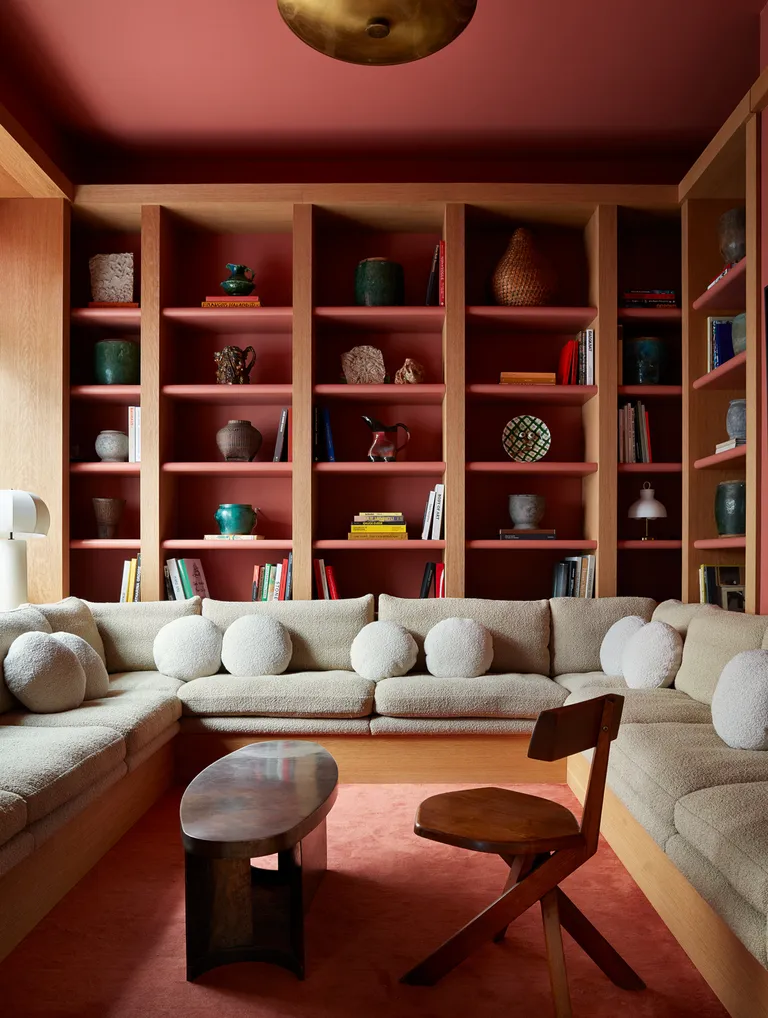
(454, 413)
(34, 375)
(303, 375)
(600, 413)
(755, 367)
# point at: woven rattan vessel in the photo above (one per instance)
(523, 277)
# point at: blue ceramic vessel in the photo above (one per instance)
(235, 518)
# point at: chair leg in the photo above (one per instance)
(555, 956)
(593, 943)
(519, 868)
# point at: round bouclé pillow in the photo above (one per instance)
(382, 650)
(740, 701)
(256, 645)
(614, 642)
(458, 648)
(652, 656)
(96, 674)
(44, 674)
(188, 648)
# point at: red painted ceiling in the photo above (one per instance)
(149, 78)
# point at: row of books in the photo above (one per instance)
(433, 581)
(220, 301)
(634, 434)
(577, 360)
(574, 577)
(326, 588)
(130, 586)
(322, 436)
(134, 434)
(722, 273)
(381, 526)
(433, 525)
(527, 378)
(719, 341)
(184, 578)
(436, 283)
(723, 586)
(273, 581)
(284, 442)
(532, 534)
(648, 299)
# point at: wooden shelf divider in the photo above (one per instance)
(454, 403)
(731, 375)
(565, 395)
(302, 376)
(720, 543)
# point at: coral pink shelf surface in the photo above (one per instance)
(728, 294)
(651, 391)
(731, 375)
(721, 459)
(234, 319)
(232, 469)
(649, 468)
(650, 315)
(95, 544)
(124, 318)
(649, 545)
(523, 545)
(424, 394)
(715, 543)
(197, 544)
(105, 468)
(541, 467)
(536, 319)
(368, 469)
(128, 394)
(382, 545)
(385, 319)
(237, 394)
(566, 395)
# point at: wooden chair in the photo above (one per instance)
(541, 842)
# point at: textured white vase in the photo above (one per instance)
(112, 278)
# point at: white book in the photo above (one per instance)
(437, 519)
(590, 591)
(138, 434)
(197, 577)
(124, 583)
(178, 586)
(278, 578)
(428, 511)
(590, 341)
(131, 434)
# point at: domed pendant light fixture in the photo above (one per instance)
(377, 31)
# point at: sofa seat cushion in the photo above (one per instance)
(579, 625)
(332, 694)
(146, 682)
(15, 851)
(13, 815)
(47, 767)
(573, 681)
(728, 825)
(660, 763)
(137, 717)
(487, 696)
(713, 639)
(451, 726)
(128, 630)
(275, 728)
(649, 706)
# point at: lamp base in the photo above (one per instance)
(13, 573)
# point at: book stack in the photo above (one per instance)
(130, 587)
(432, 526)
(433, 581)
(574, 577)
(720, 275)
(634, 434)
(233, 537)
(577, 360)
(528, 378)
(325, 582)
(381, 526)
(723, 586)
(527, 535)
(322, 436)
(719, 341)
(273, 581)
(134, 434)
(648, 299)
(231, 302)
(436, 283)
(284, 442)
(728, 444)
(184, 578)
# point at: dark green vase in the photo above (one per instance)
(235, 518)
(116, 362)
(731, 508)
(379, 283)
(240, 282)
(644, 361)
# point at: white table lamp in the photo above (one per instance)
(647, 508)
(22, 515)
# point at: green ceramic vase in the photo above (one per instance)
(379, 283)
(240, 282)
(644, 360)
(731, 508)
(116, 362)
(235, 518)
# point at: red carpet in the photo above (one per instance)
(114, 947)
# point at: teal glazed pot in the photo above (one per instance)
(643, 361)
(379, 283)
(731, 508)
(240, 282)
(116, 362)
(235, 518)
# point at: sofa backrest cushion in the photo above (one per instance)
(712, 640)
(12, 624)
(321, 631)
(74, 616)
(128, 630)
(520, 629)
(680, 615)
(580, 623)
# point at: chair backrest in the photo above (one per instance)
(565, 731)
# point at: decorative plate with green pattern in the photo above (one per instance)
(526, 439)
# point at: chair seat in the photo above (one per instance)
(497, 820)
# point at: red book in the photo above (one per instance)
(255, 584)
(440, 579)
(648, 437)
(441, 284)
(290, 434)
(283, 580)
(564, 364)
(333, 590)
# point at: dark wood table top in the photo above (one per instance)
(261, 799)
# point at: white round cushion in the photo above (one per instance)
(44, 674)
(740, 701)
(652, 656)
(188, 648)
(614, 642)
(458, 648)
(383, 649)
(96, 674)
(256, 645)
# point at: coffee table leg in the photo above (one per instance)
(219, 913)
(314, 862)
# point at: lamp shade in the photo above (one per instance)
(22, 514)
(647, 506)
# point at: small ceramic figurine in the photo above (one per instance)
(240, 282)
(384, 448)
(232, 367)
(411, 373)
(363, 365)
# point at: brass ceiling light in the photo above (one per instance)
(377, 31)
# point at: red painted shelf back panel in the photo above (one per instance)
(229, 577)
(736, 457)
(352, 437)
(97, 575)
(728, 293)
(426, 348)
(342, 496)
(196, 497)
(233, 320)
(85, 487)
(190, 359)
(487, 505)
(370, 572)
(526, 577)
(88, 239)
(731, 375)
(669, 491)
(86, 420)
(566, 395)
(486, 423)
(194, 426)
(649, 257)
(662, 580)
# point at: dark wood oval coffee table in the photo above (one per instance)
(267, 798)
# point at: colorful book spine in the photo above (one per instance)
(590, 379)
(274, 587)
(255, 583)
(330, 452)
(333, 590)
(131, 580)
(184, 575)
(378, 528)
(196, 576)
(427, 579)
(124, 581)
(429, 508)
(432, 284)
(319, 566)
(289, 436)
(289, 581)
(440, 579)
(178, 589)
(131, 434)
(137, 584)
(437, 520)
(283, 580)
(377, 537)
(280, 445)
(442, 274)
(168, 585)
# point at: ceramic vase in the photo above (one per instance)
(112, 446)
(233, 366)
(739, 333)
(116, 362)
(731, 508)
(236, 518)
(524, 276)
(112, 278)
(643, 361)
(736, 420)
(526, 511)
(379, 283)
(238, 441)
(732, 234)
(108, 512)
(240, 281)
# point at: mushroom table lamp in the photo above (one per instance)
(22, 515)
(647, 508)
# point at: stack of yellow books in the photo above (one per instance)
(378, 526)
